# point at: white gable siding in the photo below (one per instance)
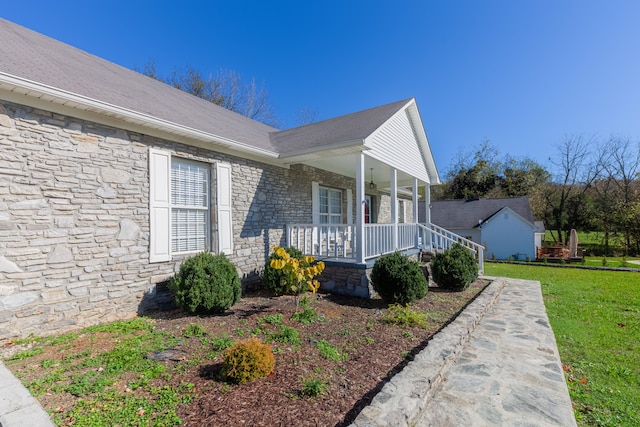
(507, 234)
(395, 144)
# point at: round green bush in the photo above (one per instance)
(455, 268)
(206, 283)
(398, 280)
(272, 278)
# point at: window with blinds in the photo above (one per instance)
(189, 206)
(330, 204)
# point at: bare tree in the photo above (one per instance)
(575, 171)
(619, 187)
(225, 88)
(306, 115)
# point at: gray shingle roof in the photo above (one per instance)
(33, 56)
(37, 58)
(348, 128)
(466, 214)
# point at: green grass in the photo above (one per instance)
(616, 262)
(92, 375)
(329, 352)
(595, 316)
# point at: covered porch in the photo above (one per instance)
(384, 156)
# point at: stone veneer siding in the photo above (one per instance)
(74, 219)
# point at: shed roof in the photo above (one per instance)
(467, 214)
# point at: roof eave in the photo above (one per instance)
(48, 94)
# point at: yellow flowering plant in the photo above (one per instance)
(297, 273)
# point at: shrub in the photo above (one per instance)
(247, 360)
(286, 335)
(206, 283)
(272, 278)
(455, 268)
(404, 316)
(313, 387)
(398, 280)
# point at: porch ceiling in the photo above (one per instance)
(346, 164)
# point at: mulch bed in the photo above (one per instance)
(375, 351)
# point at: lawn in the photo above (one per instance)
(595, 316)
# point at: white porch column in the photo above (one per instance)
(415, 210)
(427, 214)
(427, 205)
(394, 207)
(360, 252)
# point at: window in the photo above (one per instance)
(368, 209)
(189, 206)
(180, 206)
(402, 218)
(330, 206)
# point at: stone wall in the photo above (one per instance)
(74, 220)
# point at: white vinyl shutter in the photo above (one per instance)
(349, 206)
(159, 205)
(315, 216)
(224, 204)
(315, 202)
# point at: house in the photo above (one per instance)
(109, 179)
(504, 226)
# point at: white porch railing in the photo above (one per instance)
(338, 240)
(330, 240)
(440, 239)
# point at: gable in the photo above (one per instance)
(506, 215)
(396, 144)
(391, 135)
(465, 214)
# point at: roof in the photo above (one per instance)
(34, 57)
(467, 214)
(39, 71)
(349, 128)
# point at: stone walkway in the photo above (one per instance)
(498, 365)
(17, 407)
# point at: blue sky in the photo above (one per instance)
(523, 74)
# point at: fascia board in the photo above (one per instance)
(51, 95)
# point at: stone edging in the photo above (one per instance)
(405, 396)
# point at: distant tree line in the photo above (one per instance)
(588, 184)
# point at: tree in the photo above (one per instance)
(305, 116)
(575, 172)
(225, 89)
(473, 176)
(483, 174)
(617, 190)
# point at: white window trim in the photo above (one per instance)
(329, 214)
(160, 207)
(206, 209)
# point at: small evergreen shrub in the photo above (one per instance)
(404, 316)
(247, 360)
(313, 387)
(285, 335)
(398, 280)
(272, 278)
(455, 268)
(206, 283)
